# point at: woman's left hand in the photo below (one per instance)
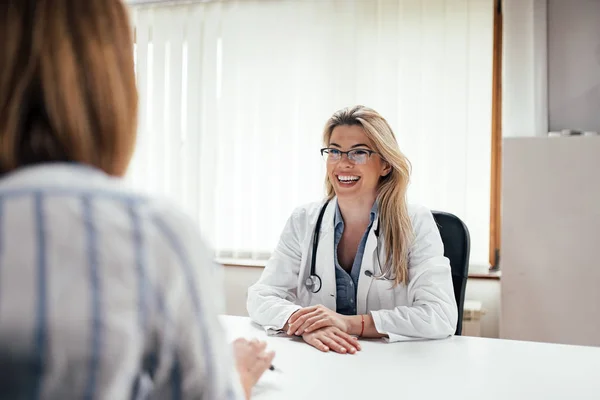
(309, 319)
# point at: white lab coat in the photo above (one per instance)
(424, 308)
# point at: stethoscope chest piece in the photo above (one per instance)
(313, 283)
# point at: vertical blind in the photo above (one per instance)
(234, 97)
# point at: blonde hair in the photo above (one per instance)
(67, 84)
(394, 220)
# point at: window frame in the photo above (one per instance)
(496, 167)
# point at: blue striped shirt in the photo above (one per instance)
(105, 294)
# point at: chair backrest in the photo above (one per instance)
(457, 243)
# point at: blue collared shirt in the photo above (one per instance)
(347, 283)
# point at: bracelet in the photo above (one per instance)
(362, 330)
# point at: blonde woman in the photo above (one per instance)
(104, 293)
(362, 263)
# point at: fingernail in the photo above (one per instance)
(297, 332)
(353, 350)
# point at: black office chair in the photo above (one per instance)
(457, 243)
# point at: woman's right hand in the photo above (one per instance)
(332, 338)
(251, 361)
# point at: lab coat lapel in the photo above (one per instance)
(368, 264)
(325, 267)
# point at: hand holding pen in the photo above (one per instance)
(252, 360)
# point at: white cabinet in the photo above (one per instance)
(551, 240)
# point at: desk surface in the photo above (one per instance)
(455, 368)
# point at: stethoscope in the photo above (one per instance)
(314, 282)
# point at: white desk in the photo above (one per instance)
(455, 368)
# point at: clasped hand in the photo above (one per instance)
(323, 329)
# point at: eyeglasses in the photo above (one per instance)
(356, 156)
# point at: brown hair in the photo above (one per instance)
(67, 84)
(395, 222)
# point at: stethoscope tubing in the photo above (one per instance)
(313, 282)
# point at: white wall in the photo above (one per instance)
(574, 64)
(551, 66)
(524, 71)
(487, 291)
(237, 282)
(238, 279)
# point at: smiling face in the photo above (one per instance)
(348, 178)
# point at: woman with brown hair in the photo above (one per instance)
(104, 293)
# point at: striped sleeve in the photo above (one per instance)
(195, 361)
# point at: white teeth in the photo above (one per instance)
(348, 178)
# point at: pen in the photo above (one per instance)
(272, 368)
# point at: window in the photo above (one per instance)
(234, 96)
